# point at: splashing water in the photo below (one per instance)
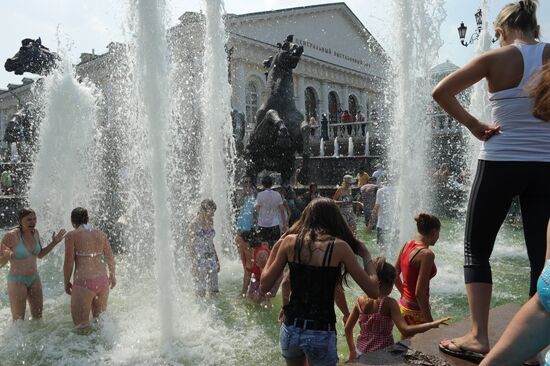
(418, 42)
(63, 171)
(479, 102)
(151, 80)
(217, 142)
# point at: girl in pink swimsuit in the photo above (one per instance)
(85, 249)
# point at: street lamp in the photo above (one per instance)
(475, 36)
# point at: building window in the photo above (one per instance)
(252, 98)
(311, 103)
(333, 107)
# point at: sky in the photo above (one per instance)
(82, 25)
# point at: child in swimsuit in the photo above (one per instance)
(85, 248)
(205, 264)
(254, 255)
(21, 247)
(377, 316)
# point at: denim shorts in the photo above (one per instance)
(318, 346)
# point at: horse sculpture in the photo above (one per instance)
(32, 57)
(280, 130)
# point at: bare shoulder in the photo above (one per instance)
(11, 236)
(69, 235)
(426, 254)
(362, 301)
(390, 302)
(286, 244)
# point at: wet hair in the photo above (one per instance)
(520, 16)
(79, 216)
(251, 238)
(322, 214)
(267, 181)
(386, 272)
(540, 90)
(426, 223)
(22, 213)
(208, 204)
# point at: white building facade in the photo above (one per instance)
(342, 67)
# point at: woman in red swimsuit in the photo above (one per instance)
(415, 268)
(85, 248)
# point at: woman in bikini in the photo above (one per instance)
(21, 246)
(85, 248)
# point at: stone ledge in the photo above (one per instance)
(427, 343)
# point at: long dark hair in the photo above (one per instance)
(322, 214)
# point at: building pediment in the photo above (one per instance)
(330, 33)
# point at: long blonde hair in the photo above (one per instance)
(520, 16)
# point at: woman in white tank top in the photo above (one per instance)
(515, 144)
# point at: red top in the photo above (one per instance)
(376, 330)
(256, 270)
(410, 273)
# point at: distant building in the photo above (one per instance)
(343, 66)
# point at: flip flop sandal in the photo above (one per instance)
(474, 357)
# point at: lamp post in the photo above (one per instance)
(475, 36)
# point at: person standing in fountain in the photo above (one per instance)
(245, 217)
(254, 256)
(85, 248)
(385, 206)
(205, 264)
(269, 213)
(319, 250)
(344, 199)
(21, 247)
(415, 268)
(515, 144)
(368, 199)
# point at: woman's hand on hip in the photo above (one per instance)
(483, 131)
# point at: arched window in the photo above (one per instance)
(251, 102)
(352, 103)
(311, 103)
(333, 107)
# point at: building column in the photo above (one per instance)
(238, 85)
(299, 97)
(345, 98)
(363, 107)
(323, 95)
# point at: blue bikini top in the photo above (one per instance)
(21, 251)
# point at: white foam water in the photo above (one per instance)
(418, 41)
